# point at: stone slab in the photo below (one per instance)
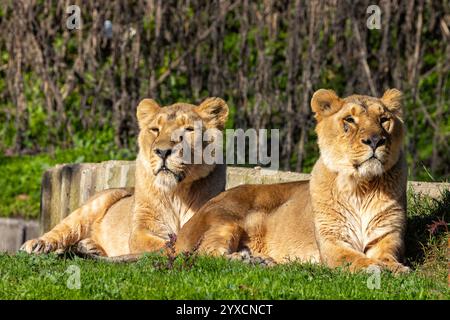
(14, 232)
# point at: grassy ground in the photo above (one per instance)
(25, 277)
(157, 277)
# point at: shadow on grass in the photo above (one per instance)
(427, 225)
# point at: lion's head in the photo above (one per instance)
(359, 135)
(164, 131)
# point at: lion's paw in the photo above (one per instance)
(397, 268)
(39, 245)
(246, 257)
(361, 264)
(88, 247)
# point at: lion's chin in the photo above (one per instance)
(370, 169)
(166, 181)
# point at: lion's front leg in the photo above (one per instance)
(335, 255)
(141, 240)
(222, 239)
(389, 251)
(334, 250)
(77, 225)
(66, 233)
(149, 231)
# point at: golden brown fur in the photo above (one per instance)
(168, 191)
(351, 212)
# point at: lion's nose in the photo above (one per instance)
(374, 141)
(163, 153)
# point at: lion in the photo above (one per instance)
(168, 190)
(350, 214)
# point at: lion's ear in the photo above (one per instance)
(146, 109)
(392, 99)
(214, 111)
(325, 102)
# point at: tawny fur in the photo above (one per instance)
(352, 212)
(167, 192)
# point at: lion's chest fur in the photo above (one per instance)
(356, 214)
(178, 213)
(164, 214)
(362, 216)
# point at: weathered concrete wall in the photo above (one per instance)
(14, 232)
(66, 187)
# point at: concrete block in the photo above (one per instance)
(14, 232)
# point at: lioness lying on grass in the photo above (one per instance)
(351, 212)
(167, 194)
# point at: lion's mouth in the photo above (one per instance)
(371, 158)
(165, 170)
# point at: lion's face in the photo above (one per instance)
(359, 135)
(164, 132)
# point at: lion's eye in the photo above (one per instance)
(154, 130)
(383, 120)
(349, 119)
(189, 129)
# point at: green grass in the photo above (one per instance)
(158, 277)
(33, 277)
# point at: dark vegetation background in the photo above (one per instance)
(71, 95)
